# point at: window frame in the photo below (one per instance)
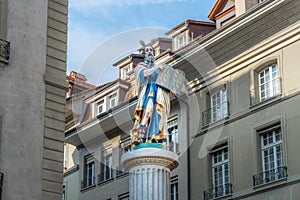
(106, 170)
(174, 182)
(256, 68)
(173, 140)
(268, 85)
(89, 179)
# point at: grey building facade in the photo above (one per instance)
(238, 127)
(32, 98)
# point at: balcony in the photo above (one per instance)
(4, 50)
(266, 92)
(215, 113)
(218, 192)
(173, 146)
(270, 176)
(88, 182)
(1, 184)
(105, 176)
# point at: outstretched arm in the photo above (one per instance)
(148, 72)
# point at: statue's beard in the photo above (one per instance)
(149, 58)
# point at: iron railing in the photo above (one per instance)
(217, 192)
(265, 92)
(269, 176)
(121, 171)
(105, 176)
(215, 113)
(4, 49)
(1, 183)
(173, 146)
(87, 182)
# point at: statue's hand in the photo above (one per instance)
(160, 67)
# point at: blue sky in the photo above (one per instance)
(102, 31)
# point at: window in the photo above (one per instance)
(106, 166)
(100, 107)
(89, 172)
(268, 84)
(181, 41)
(125, 72)
(65, 156)
(174, 188)
(172, 126)
(113, 100)
(220, 174)
(271, 155)
(219, 107)
(64, 193)
(125, 146)
(123, 197)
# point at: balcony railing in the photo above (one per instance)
(269, 176)
(121, 171)
(173, 146)
(4, 49)
(215, 113)
(265, 92)
(217, 192)
(1, 183)
(87, 182)
(107, 175)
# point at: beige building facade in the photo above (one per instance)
(33, 50)
(237, 130)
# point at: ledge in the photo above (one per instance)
(87, 188)
(105, 181)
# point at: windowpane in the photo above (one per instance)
(272, 155)
(220, 172)
(268, 82)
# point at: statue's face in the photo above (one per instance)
(149, 53)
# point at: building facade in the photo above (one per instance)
(236, 133)
(33, 45)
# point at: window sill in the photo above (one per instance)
(265, 186)
(216, 123)
(122, 175)
(265, 102)
(222, 197)
(105, 181)
(87, 188)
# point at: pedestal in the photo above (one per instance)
(149, 173)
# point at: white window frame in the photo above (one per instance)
(89, 171)
(174, 189)
(172, 127)
(101, 103)
(107, 163)
(215, 165)
(271, 145)
(219, 105)
(268, 82)
(125, 146)
(181, 41)
(113, 97)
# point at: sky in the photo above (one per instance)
(102, 31)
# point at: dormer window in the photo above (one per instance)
(100, 107)
(113, 100)
(181, 41)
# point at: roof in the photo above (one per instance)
(187, 22)
(218, 7)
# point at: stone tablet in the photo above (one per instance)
(172, 80)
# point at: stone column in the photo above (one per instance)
(149, 173)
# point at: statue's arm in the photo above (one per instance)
(148, 72)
